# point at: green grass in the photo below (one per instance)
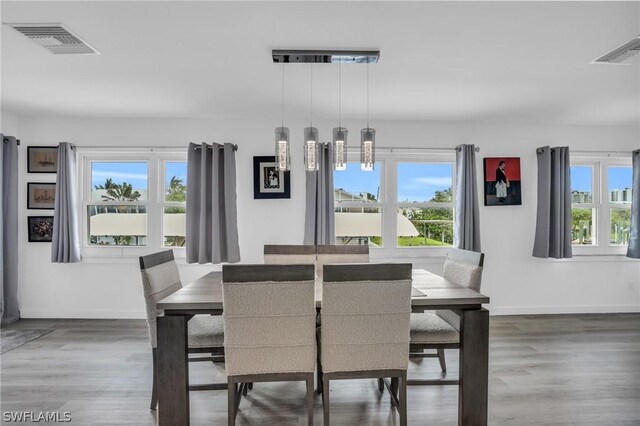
(412, 242)
(419, 241)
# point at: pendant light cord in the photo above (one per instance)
(367, 95)
(283, 94)
(311, 98)
(340, 95)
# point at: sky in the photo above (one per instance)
(416, 181)
(619, 178)
(134, 173)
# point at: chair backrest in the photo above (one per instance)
(464, 267)
(341, 254)
(160, 278)
(269, 319)
(289, 254)
(366, 310)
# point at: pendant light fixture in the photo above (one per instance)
(311, 138)
(340, 133)
(283, 155)
(367, 140)
(312, 146)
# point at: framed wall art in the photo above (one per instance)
(41, 195)
(40, 229)
(268, 182)
(502, 185)
(42, 159)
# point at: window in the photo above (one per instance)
(174, 207)
(583, 209)
(619, 195)
(117, 213)
(406, 203)
(425, 204)
(358, 205)
(600, 205)
(131, 201)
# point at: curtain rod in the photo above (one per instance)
(541, 150)
(457, 148)
(151, 148)
(5, 140)
(234, 147)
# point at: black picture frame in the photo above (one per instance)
(42, 159)
(264, 177)
(40, 229)
(41, 195)
(513, 190)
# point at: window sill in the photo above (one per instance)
(129, 255)
(595, 257)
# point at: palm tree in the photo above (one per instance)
(116, 192)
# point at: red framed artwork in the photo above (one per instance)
(502, 184)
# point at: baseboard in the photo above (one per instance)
(543, 310)
(82, 314)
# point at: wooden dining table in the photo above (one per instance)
(430, 291)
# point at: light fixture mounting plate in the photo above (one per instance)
(326, 56)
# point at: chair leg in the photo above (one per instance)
(319, 365)
(443, 364)
(154, 386)
(394, 390)
(250, 385)
(231, 398)
(245, 389)
(310, 400)
(402, 401)
(381, 385)
(325, 399)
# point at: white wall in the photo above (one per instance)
(515, 281)
(8, 124)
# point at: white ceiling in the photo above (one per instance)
(462, 61)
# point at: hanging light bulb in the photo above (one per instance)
(311, 138)
(367, 149)
(283, 156)
(311, 135)
(367, 140)
(340, 133)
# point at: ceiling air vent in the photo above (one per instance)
(56, 39)
(620, 54)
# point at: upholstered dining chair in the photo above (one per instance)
(365, 327)
(341, 254)
(289, 254)
(269, 327)
(440, 330)
(160, 278)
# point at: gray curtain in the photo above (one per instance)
(634, 238)
(65, 247)
(553, 223)
(319, 223)
(467, 221)
(212, 217)
(9, 309)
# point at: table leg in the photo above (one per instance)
(173, 371)
(474, 367)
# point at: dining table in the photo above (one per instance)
(430, 292)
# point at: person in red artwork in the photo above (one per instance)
(502, 182)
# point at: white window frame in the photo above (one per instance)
(154, 204)
(389, 204)
(601, 204)
(162, 202)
